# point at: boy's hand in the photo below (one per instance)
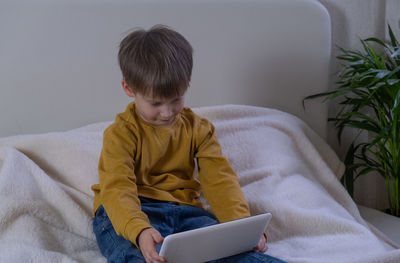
(147, 240)
(261, 246)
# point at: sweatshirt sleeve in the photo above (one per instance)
(118, 187)
(218, 181)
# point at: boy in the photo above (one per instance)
(146, 185)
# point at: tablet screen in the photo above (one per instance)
(216, 241)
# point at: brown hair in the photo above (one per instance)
(157, 62)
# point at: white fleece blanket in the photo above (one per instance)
(283, 167)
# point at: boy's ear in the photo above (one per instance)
(127, 89)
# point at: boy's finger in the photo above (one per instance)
(157, 237)
(261, 246)
(157, 258)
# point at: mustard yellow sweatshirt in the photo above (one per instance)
(139, 159)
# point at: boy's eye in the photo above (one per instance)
(156, 104)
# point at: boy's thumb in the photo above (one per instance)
(157, 237)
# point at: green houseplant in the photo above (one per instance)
(369, 94)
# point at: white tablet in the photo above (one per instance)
(216, 241)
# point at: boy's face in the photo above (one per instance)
(159, 112)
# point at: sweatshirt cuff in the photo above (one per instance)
(133, 230)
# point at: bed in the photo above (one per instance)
(254, 63)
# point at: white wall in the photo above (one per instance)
(64, 48)
(353, 20)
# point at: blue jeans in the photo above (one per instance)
(167, 218)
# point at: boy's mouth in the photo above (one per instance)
(166, 121)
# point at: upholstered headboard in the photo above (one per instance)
(58, 65)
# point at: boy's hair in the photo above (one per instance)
(157, 62)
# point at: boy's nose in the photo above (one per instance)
(166, 113)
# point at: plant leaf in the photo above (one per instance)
(396, 103)
(348, 176)
(395, 53)
(382, 74)
(376, 40)
(391, 82)
(363, 125)
(392, 37)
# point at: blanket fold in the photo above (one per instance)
(283, 166)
